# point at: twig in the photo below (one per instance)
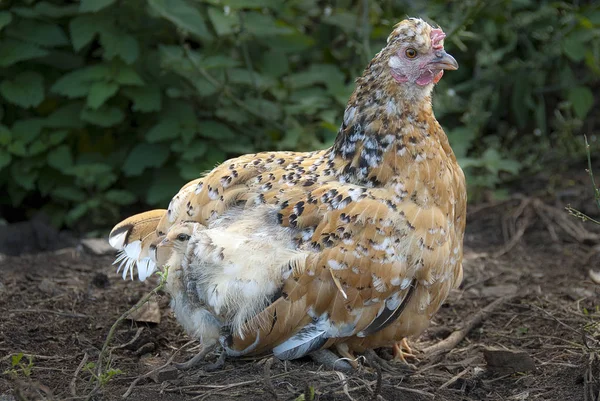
(134, 339)
(53, 312)
(377, 383)
(148, 374)
(73, 384)
(111, 332)
(345, 388)
(415, 391)
(457, 336)
(454, 379)
(267, 378)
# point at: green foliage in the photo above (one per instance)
(18, 367)
(104, 377)
(106, 103)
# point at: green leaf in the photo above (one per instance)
(126, 75)
(57, 137)
(78, 83)
(194, 151)
(264, 25)
(166, 129)
(27, 129)
(145, 98)
(275, 63)
(216, 130)
(582, 99)
(92, 6)
(84, 28)
(24, 173)
(461, 139)
(163, 185)
(251, 4)
(69, 193)
(38, 33)
(5, 135)
(60, 158)
(100, 92)
(12, 51)
(43, 8)
(66, 116)
(183, 15)
(105, 116)
(143, 156)
(120, 197)
(117, 43)
(5, 19)
(5, 159)
(223, 24)
(26, 89)
(573, 48)
(17, 148)
(37, 147)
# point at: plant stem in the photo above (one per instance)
(591, 172)
(111, 332)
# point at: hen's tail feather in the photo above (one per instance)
(133, 237)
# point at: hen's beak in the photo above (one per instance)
(443, 61)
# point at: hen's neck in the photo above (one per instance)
(386, 126)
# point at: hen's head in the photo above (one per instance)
(415, 53)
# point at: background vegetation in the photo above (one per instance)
(108, 105)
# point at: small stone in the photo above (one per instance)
(499, 291)
(505, 361)
(97, 246)
(170, 373)
(149, 313)
(47, 287)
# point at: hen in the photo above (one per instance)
(355, 246)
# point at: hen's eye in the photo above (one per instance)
(410, 53)
(183, 237)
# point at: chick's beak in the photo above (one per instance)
(443, 61)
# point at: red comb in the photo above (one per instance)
(437, 36)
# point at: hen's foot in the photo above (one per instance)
(330, 360)
(375, 361)
(401, 351)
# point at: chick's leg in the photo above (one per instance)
(199, 357)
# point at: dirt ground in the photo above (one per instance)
(527, 255)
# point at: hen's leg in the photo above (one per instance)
(330, 360)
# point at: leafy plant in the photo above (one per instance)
(577, 213)
(18, 367)
(107, 104)
(105, 376)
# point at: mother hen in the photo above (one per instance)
(355, 246)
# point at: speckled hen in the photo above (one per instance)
(353, 247)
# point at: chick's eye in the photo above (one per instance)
(410, 53)
(183, 237)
